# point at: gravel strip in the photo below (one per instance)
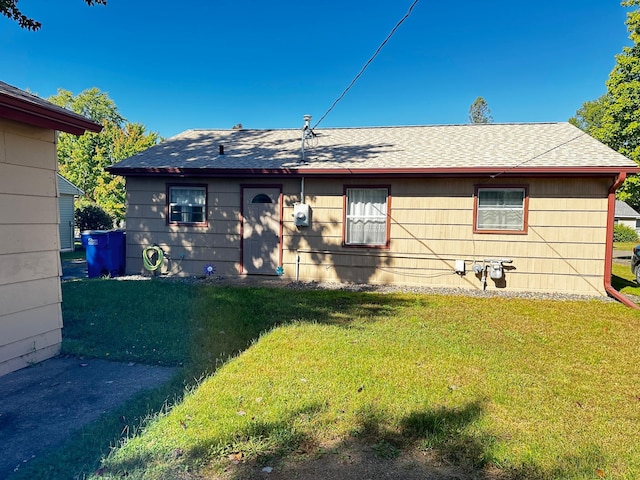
(276, 282)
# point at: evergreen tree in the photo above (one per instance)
(479, 112)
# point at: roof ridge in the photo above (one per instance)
(371, 127)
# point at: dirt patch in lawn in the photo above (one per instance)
(351, 460)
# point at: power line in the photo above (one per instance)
(491, 177)
(368, 62)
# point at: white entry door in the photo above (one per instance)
(261, 230)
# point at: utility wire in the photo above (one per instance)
(368, 62)
(566, 142)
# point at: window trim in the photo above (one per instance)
(525, 207)
(345, 206)
(205, 222)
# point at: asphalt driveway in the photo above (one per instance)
(42, 406)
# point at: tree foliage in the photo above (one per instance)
(92, 217)
(83, 159)
(589, 115)
(479, 112)
(9, 8)
(614, 118)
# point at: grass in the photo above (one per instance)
(527, 388)
(625, 246)
(622, 278)
(77, 254)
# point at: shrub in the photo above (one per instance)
(92, 217)
(622, 233)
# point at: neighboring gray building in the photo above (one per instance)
(626, 215)
(67, 192)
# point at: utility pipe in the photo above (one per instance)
(608, 255)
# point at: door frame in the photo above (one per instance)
(244, 186)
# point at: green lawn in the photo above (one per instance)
(77, 254)
(625, 246)
(622, 278)
(525, 388)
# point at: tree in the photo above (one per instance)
(9, 8)
(614, 118)
(479, 112)
(82, 160)
(92, 217)
(589, 116)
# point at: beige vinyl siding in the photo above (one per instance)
(189, 247)
(30, 296)
(431, 226)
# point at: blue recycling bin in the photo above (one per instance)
(105, 252)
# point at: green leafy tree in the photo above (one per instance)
(589, 115)
(92, 217)
(614, 118)
(83, 159)
(479, 112)
(9, 8)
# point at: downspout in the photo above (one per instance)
(608, 256)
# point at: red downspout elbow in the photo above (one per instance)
(608, 256)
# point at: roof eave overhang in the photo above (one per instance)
(372, 172)
(41, 116)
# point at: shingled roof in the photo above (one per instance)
(534, 148)
(624, 210)
(21, 106)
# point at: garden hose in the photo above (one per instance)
(147, 255)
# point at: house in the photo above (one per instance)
(30, 294)
(626, 215)
(67, 192)
(517, 207)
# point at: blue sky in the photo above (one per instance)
(215, 63)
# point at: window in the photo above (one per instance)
(187, 204)
(261, 198)
(501, 210)
(366, 216)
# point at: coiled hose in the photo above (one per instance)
(147, 258)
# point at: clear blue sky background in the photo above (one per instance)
(175, 65)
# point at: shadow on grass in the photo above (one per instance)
(229, 319)
(373, 450)
(197, 328)
(439, 443)
(619, 283)
(201, 327)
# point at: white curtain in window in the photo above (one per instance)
(188, 196)
(366, 216)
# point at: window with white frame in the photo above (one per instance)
(366, 216)
(187, 204)
(501, 209)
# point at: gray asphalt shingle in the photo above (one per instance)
(500, 146)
